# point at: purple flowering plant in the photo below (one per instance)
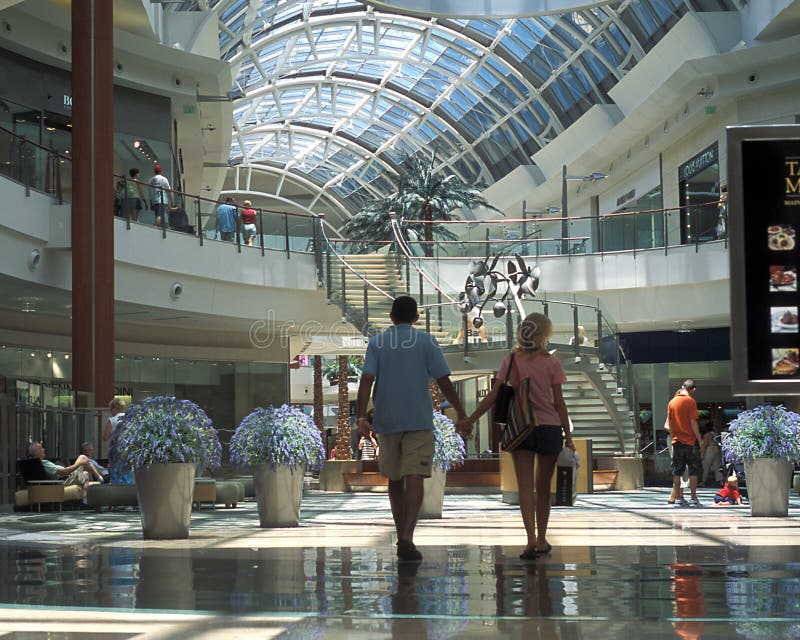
(448, 447)
(162, 429)
(278, 435)
(764, 432)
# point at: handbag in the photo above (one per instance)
(505, 394)
(521, 418)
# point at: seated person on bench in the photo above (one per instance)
(87, 449)
(73, 474)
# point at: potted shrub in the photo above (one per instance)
(163, 440)
(767, 440)
(279, 444)
(448, 453)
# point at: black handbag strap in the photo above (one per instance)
(510, 364)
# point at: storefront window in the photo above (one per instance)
(643, 231)
(699, 194)
(227, 391)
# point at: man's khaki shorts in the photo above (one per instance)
(406, 453)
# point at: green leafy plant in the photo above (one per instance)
(277, 435)
(448, 448)
(162, 429)
(764, 432)
(423, 197)
(330, 371)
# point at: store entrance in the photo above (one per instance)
(699, 195)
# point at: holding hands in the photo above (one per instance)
(464, 427)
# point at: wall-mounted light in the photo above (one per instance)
(236, 94)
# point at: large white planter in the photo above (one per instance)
(768, 482)
(433, 494)
(165, 495)
(278, 493)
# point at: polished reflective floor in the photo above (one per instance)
(624, 565)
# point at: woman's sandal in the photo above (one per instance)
(533, 553)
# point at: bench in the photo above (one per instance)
(604, 479)
(214, 492)
(374, 481)
(40, 489)
(111, 495)
(207, 491)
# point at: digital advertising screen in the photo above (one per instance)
(764, 223)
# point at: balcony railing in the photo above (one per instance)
(44, 170)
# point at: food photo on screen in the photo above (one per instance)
(780, 237)
(784, 319)
(785, 362)
(782, 278)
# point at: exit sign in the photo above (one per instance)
(711, 110)
(188, 109)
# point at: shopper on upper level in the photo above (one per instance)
(248, 216)
(160, 195)
(227, 218)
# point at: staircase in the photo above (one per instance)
(597, 408)
(383, 271)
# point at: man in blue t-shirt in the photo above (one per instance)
(401, 362)
(227, 217)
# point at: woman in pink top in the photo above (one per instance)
(532, 360)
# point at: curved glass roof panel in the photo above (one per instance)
(340, 93)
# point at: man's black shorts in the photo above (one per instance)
(686, 455)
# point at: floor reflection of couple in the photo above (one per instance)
(523, 590)
(406, 622)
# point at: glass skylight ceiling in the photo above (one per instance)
(340, 93)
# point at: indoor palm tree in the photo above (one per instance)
(422, 195)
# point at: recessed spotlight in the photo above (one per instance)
(49, 355)
(66, 356)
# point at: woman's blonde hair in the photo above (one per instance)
(247, 203)
(534, 332)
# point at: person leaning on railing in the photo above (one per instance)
(226, 220)
(160, 195)
(248, 216)
(133, 196)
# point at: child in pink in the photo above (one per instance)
(729, 494)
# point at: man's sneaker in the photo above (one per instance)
(681, 502)
(408, 552)
(695, 503)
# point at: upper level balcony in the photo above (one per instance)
(657, 281)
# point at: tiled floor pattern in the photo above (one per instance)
(624, 565)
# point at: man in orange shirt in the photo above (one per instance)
(687, 448)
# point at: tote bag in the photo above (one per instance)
(521, 418)
(505, 395)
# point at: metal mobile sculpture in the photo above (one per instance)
(483, 282)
